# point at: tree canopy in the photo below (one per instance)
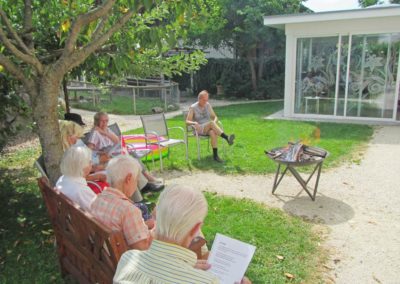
(41, 41)
(366, 3)
(238, 24)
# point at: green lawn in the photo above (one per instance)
(28, 254)
(273, 233)
(255, 134)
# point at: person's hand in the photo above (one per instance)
(202, 264)
(101, 131)
(150, 223)
(104, 158)
(101, 177)
(197, 126)
(245, 280)
(98, 167)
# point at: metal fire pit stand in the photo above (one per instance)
(291, 166)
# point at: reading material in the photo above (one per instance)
(229, 259)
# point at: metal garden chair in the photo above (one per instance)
(155, 126)
(190, 131)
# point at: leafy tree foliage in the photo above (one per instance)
(41, 41)
(366, 3)
(238, 24)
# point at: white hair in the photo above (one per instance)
(179, 209)
(75, 159)
(119, 167)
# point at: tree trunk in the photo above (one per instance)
(253, 74)
(261, 59)
(45, 114)
(66, 95)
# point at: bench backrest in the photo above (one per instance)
(87, 250)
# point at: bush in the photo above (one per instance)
(235, 77)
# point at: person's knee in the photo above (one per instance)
(212, 134)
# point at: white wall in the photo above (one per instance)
(327, 28)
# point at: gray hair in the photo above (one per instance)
(179, 209)
(97, 117)
(74, 160)
(202, 93)
(119, 167)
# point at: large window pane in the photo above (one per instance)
(372, 78)
(316, 75)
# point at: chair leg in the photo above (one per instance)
(160, 155)
(198, 148)
(187, 147)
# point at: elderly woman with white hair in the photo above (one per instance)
(75, 166)
(114, 208)
(180, 215)
(181, 212)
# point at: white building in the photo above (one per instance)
(342, 64)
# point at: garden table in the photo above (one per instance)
(303, 161)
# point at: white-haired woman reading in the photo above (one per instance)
(75, 166)
(181, 212)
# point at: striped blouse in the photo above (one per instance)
(162, 263)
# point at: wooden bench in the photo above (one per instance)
(87, 250)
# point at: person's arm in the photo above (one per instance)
(202, 264)
(109, 134)
(135, 230)
(96, 176)
(189, 118)
(213, 116)
(142, 245)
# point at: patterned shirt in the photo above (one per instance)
(118, 212)
(162, 263)
(100, 141)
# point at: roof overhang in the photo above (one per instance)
(280, 21)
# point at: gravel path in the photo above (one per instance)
(359, 203)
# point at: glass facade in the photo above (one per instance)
(353, 76)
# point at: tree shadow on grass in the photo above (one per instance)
(27, 242)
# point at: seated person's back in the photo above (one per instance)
(75, 166)
(180, 214)
(114, 208)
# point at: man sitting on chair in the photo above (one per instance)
(203, 118)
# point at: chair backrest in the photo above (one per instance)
(87, 250)
(39, 164)
(115, 128)
(155, 123)
(185, 114)
(86, 137)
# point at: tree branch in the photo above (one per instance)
(29, 59)
(83, 20)
(13, 33)
(79, 56)
(27, 36)
(15, 71)
(100, 27)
